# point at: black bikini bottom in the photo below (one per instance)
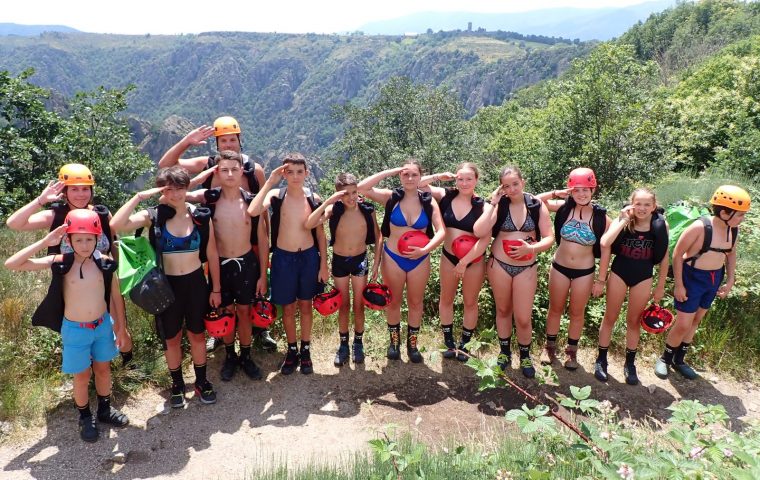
(573, 273)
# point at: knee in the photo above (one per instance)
(99, 368)
(414, 304)
(470, 303)
(196, 338)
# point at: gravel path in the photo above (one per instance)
(325, 417)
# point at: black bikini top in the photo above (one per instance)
(466, 223)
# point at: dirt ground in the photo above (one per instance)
(325, 417)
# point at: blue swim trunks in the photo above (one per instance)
(85, 342)
(294, 275)
(701, 288)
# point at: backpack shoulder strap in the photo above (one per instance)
(707, 239)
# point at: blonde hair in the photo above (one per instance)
(469, 165)
(641, 191)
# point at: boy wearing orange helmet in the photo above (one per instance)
(704, 254)
(77, 306)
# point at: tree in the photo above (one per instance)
(602, 114)
(406, 120)
(35, 140)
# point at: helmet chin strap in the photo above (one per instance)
(728, 229)
(94, 256)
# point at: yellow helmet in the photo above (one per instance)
(75, 174)
(731, 196)
(225, 126)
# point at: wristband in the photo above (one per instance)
(39, 202)
(217, 291)
(554, 194)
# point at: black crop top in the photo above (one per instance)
(466, 223)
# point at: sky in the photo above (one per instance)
(156, 17)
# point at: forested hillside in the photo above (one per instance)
(282, 88)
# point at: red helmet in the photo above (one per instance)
(263, 313)
(83, 220)
(412, 238)
(329, 302)
(462, 246)
(219, 323)
(506, 244)
(581, 177)
(656, 319)
(376, 296)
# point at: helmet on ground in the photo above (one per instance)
(376, 296)
(83, 220)
(656, 319)
(225, 126)
(263, 313)
(329, 302)
(219, 323)
(731, 196)
(581, 177)
(412, 238)
(75, 174)
(462, 245)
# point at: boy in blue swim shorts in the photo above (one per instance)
(77, 306)
(299, 255)
(704, 254)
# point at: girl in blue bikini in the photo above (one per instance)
(578, 229)
(512, 270)
(406, 209)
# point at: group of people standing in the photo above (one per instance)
(237, 218)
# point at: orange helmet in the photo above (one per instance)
(731, 196)
(226, 126)
(83, 220)
(75, 174)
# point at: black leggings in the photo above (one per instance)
(189, 307)
(573, 273)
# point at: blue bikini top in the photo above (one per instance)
(578, 232)
(171, 244)
(397, 219)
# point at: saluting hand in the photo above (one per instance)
(277, 175)
(55, 236)
(335, 197)
(203, 176)
(51, 193)
(445, 177)
(496, 195)
(146, 194)
(199, 135)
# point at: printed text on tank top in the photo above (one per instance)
(578, 231)
(509, 225)
(637, 245)
(398, 219)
